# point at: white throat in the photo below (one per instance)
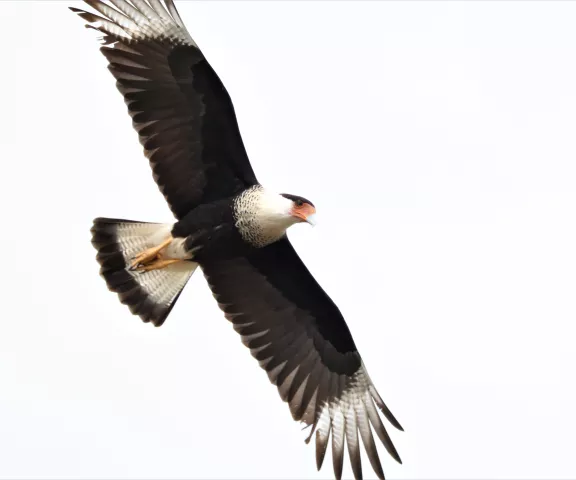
(263, 216)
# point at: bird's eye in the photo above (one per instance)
(299, 203)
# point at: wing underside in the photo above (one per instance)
(299, 337)
(183, 114)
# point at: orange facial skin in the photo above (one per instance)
(303, 211)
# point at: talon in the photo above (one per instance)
(155, 265)
(134, 266)
(149, 255)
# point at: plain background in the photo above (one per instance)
(437, 140)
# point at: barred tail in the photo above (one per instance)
(150, 295)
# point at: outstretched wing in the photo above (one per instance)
(301, 339)
(179, 107)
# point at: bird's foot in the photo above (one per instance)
(149, 256)
(155, 264)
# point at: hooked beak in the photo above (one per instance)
(306, 213)
(311, 219)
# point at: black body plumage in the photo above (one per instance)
(211, 233)
(187, 125)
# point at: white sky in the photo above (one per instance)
(437, 140)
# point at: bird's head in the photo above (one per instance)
(300, 209)
(263, 216)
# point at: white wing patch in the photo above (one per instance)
(142, 20)
(353, 412)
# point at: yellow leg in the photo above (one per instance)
(149, 254)
(156, 264)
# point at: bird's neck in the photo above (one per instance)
(261, 216)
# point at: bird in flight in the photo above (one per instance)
(230, 226)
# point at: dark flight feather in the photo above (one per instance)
(181, 110)
(302, 341)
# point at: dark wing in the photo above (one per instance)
(179, 107)
(301, 339)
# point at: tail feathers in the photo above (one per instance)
(150, 295)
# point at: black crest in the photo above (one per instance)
(294, 198)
